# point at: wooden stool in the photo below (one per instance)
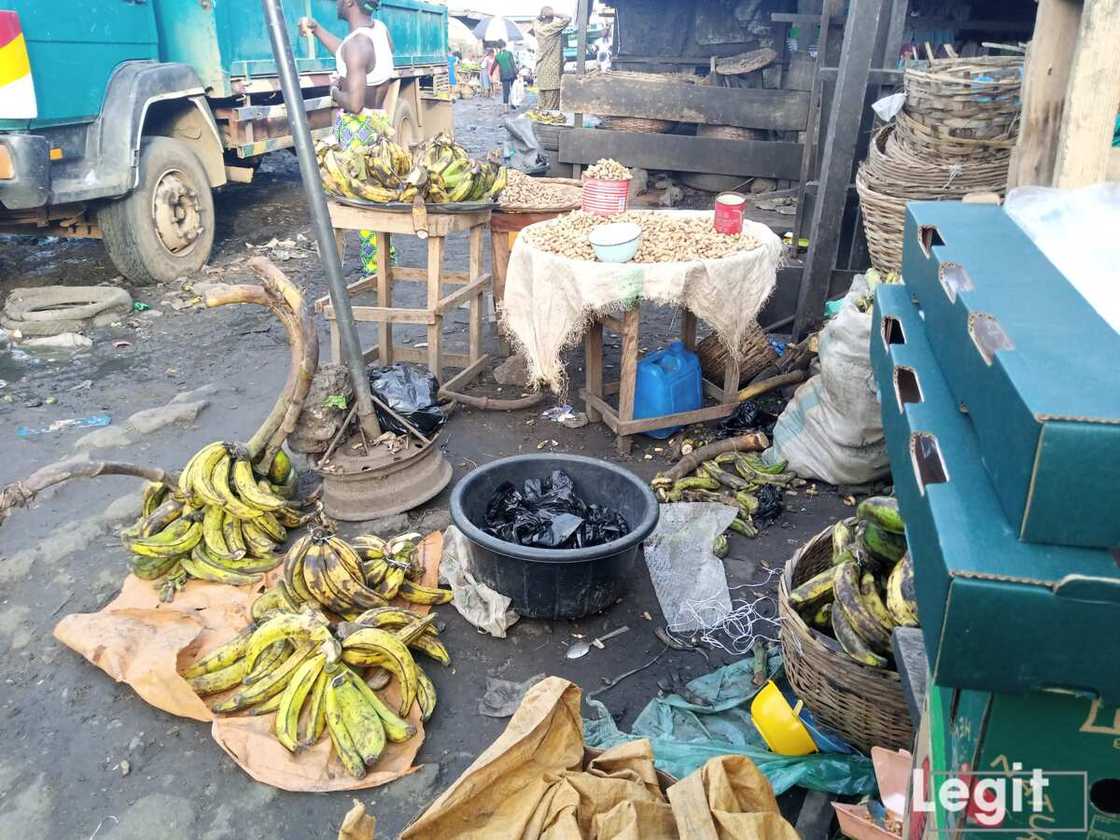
(433, 227)
(621, 420)
(504, 227)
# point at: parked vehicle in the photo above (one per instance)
(118, 117)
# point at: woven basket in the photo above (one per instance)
(966, 98)
(639, 125)
(863, 704)
(755, 350)
(729, 132)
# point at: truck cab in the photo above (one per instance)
(118, 117)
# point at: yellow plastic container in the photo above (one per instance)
(779, 723)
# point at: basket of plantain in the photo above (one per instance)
(839, 598)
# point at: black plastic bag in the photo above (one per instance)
(771, 503)
(548, 513)
(748, 417)
(410, 390)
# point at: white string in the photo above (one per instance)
(733, 631)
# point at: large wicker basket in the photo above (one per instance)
(638, 125)
(966, 98)
(863, 704)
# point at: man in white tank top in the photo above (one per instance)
(364, 58)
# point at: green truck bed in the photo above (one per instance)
(74, 45)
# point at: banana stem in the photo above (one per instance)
(751, 442)
(23, 493)
(280, 296)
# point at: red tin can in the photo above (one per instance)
(730, 207)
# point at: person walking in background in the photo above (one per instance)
(453, 60)
(484, 76)
(549, 32)
(507, 72)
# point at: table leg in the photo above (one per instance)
(435, 331)
(730, 380)
(629, 366)
(474, 305)
(336, 343)
(384, 298)
(499, 259)
(340, 242)
(593, 379)
(688, 329)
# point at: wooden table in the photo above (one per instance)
(434, 227)
(621, 420)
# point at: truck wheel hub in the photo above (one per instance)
(175, 212)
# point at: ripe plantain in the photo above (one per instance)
(267, 685)
(292, 700)
(198, 566)
(160, 518)
(301, 626)
(270, 525)
(246, 485)
(841, 538)
(340, 737)
(391, 583)
(173, 541)
(361, 721)
(201, 485)
(222, 656)
(372, 646)
(216, 682)
(432, 648)
(815, 590)
(312, 723)
(900, 593)
(213, 520)
(349, 587)
(392, 618)
(397, 729)
(425, 695)
(851, 642)
(257, 541)
(293, 568)
(869, 594)
(233, 505)
(859, 618)
(154, 494)
(883, 511)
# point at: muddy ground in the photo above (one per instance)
(67, 727)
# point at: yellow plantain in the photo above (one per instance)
(222, 656)
(379, 647)
(185, 475)
(318, 584)
(280, 467)
(311, 724)
(391, 583)
(292, 700)
(293, 568)
(397, 729)
(850, 641)
(151, 568)
(216, 682)
(340, 737)
(175, 540)
(203, 467)
(267, 685)
(213, 534)
(268, 706)
(416, 594)
(869, 594)
(362, 722)
(425, 694)
(246, 485)
(348, 557)
(154, 494)
(160, 518)
(392, 618)
(234, 507)
(270, 601)
(302, 626)
(349, 588)
(232, 536)
(900, 593)
(271, 527)
(198, 566)
(257, 541)
(245, 565)
(289, 517)
(432, 648)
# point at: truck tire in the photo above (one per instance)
(164, 228)
(406, 132)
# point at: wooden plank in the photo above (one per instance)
(683, 418)
(465, 377)
(420, 275)
(1045, 81)
(385, 296)
(1085, 141)
(385, 315)
(600, 407)
(877, 75)
(471, 291)
(608, 95)
(474, 305)
(836, 165)
(419, 355)
(593, 375)
(688, 329)
(629, 370)
(804, 19)
(389, 221)
(896, 29)
(811, 129)
(712, 155)
(435, 331)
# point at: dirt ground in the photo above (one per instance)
(67, 727)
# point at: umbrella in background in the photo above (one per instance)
(498, 29)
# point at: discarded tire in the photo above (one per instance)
(50, 310)
(554, 583)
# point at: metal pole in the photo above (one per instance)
(321, 220)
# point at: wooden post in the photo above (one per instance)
(629, 370)
(1045, 82)
(593, 376)
(474, 306)
(1085, 142)
(435, 331)
(811, 128)
(836, 166)
(896, 29)
(384, 298)
(688, 329)
(583, 11)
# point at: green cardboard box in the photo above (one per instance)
(1034, 365)
(1073, 741)
(997, 614)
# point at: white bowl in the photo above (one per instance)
(616, 243)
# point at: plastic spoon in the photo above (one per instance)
(583, 648)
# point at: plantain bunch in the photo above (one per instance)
(290, 661)
(221, 523)
(867, 590)
(375, 172)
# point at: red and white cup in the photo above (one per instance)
(729, 209)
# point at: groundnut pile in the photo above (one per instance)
(666, 237)
(524, 192)
(608, 170)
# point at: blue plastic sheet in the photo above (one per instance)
(685, 736)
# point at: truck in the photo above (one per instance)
(118, 118)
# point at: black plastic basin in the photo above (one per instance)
(550, 582)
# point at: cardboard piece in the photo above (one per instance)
(139, 640)
(1032, 362)
(532, 782)
(997, 614)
